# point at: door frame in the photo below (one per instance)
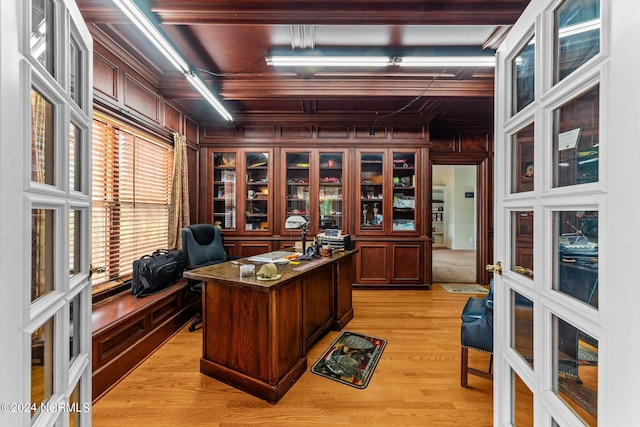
(484, 206)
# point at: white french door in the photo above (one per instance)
(45, 195)
(567, 120)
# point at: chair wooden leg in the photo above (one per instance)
(465, 370)
(464, 366)
(490, 370)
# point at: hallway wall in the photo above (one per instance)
(460, 211)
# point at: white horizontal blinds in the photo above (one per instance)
(145, 180)
(104, 161)
(132, 186)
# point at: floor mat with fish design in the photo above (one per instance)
(351, 359)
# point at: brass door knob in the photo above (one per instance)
(98, 270)
(495, 268)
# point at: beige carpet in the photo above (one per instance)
(451, 266)
(464, 289)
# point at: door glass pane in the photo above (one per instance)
(297, 196)
(522, 324)
(75, 240)
(42, 364)
(74, 327)
(42, 252)
(331, 191)
(522, 151)
(522, 403)
(42, 140)
(257, 212)
(371, 193)
(224, 190)
(524, 76)
(576, 140)
(576, 35)
(75, 145)
(75, 403)
(42, 33)
(576, 367)
(75, 70)
(404, 192)
(575, 271)
(522, 243)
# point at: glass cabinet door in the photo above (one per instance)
(224, 190)
(330, 191)
(297, 193)
(371, 191)
(257, 197)
(404, 192)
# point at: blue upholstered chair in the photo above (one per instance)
(477, 333)
(203, 245)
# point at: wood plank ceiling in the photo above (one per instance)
(227, 41)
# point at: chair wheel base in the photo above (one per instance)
(195, 323)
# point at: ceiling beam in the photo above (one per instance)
(353, 12)
(292, 88)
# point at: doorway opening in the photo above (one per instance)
(454, 223)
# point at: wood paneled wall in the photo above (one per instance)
(126, 330)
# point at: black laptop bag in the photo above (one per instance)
(156, 272)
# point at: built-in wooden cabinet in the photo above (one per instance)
(376, 195)
(313, 186)
(241, 200)
(331, 190)
(388, 228)
(389, 263)
(224, 190)
(388, 198)
(257, 207)
(240, 191)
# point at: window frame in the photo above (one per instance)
(108, 189)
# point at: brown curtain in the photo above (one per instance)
(179, 204)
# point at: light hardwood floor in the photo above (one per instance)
(416, 383)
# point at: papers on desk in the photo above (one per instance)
(275, 257)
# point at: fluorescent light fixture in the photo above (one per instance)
(143, 23)
(579, 28)
(437, 59)
(204, 91)
(328, 61)
(446, 61)
(39, 39)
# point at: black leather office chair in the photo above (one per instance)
(477, 333)
(203, 245)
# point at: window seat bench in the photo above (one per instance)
(126, 330)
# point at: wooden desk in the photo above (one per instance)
(256, 333)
